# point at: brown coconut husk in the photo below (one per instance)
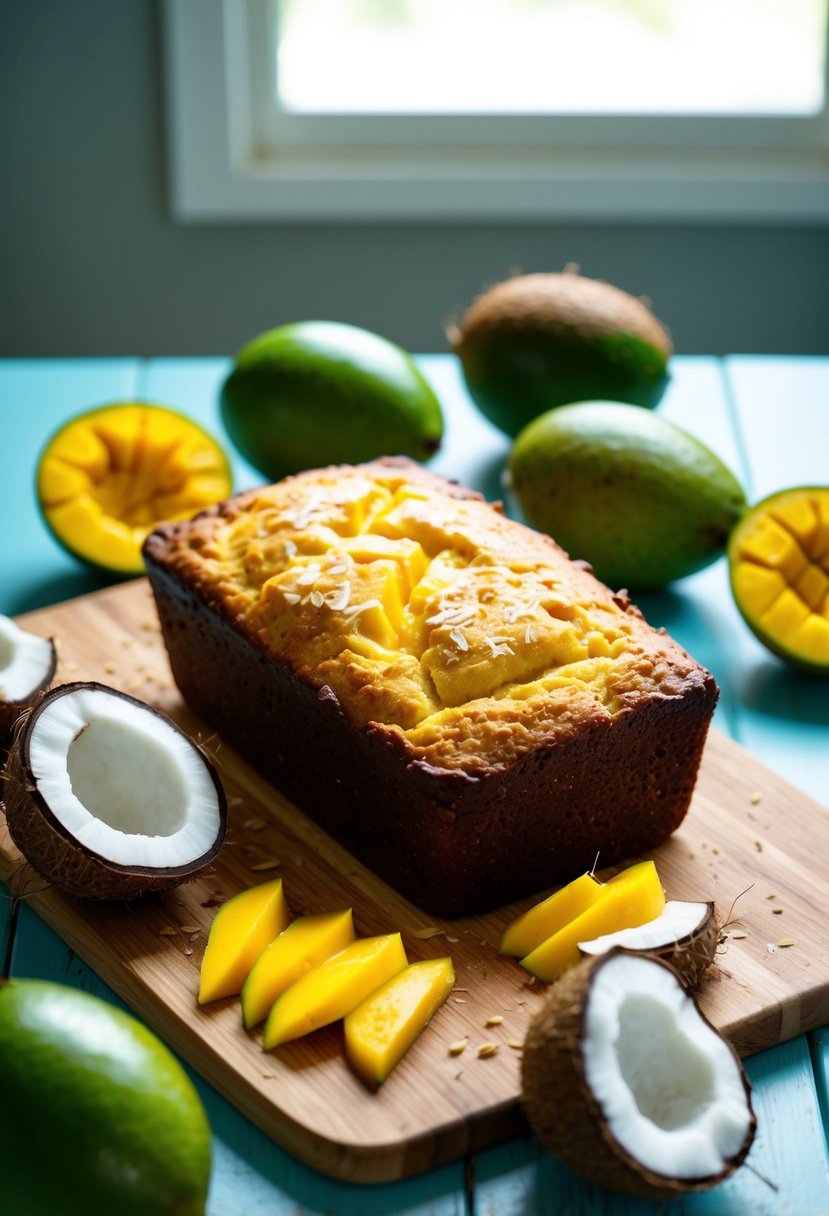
(563, 1111)
(59, 857)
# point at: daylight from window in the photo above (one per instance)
(551, 56)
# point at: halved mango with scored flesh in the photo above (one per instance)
(334, 988)
(241, 930)
(778, 558)
(380, 1031)
(304, 945)
(108, 477)
(630, 899)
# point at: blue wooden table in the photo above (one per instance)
(768, 418)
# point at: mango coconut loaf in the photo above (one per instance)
(472, 714)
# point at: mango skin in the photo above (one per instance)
(539, 341)
(380, 1031)
(97, 1115)
(315, 393)
(640, 499)
(780, 549)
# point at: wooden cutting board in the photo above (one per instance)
(750, 840)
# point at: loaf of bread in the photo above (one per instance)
(472, 714)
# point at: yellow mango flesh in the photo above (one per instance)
(241, 930)
(306, 943)
(552, 914)
(631, 898)
(779, 566)
(108, 477)
(380, 1031)
(333, 989)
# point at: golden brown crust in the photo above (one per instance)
(464, 636)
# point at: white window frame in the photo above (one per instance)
(234, 158)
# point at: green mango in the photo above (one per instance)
(539, 341)
(318, 392)
(97, 1115)
(637, 497)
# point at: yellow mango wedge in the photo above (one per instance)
(631, 898)
(241, 930)
(380, 1031)
(334, 988)
(552, 914)
(306, 943)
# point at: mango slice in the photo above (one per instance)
(380, 1031)
(333, 989)
(552, 914)
(631, 898)
(300, 948)
(109, 476)
(241, 930)
(778, 560)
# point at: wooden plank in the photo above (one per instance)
(303, 1095)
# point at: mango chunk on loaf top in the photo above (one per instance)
(427, 613)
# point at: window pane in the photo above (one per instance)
(551, 56)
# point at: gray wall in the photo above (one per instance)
(91, 262)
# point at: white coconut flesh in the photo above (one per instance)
(679, 920)
(122, 781)
(25, 661)
(669, 1087)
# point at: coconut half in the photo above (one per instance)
(107, 798)
(627, 1082)
(27, 667)
(685, 934)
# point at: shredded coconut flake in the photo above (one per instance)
(337, 599)
(459, 640)
(309, 575)
(301, 516)
(517, 612)
(356, 609)
(529, 634)
(499, 646)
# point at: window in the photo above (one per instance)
(450, 109)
